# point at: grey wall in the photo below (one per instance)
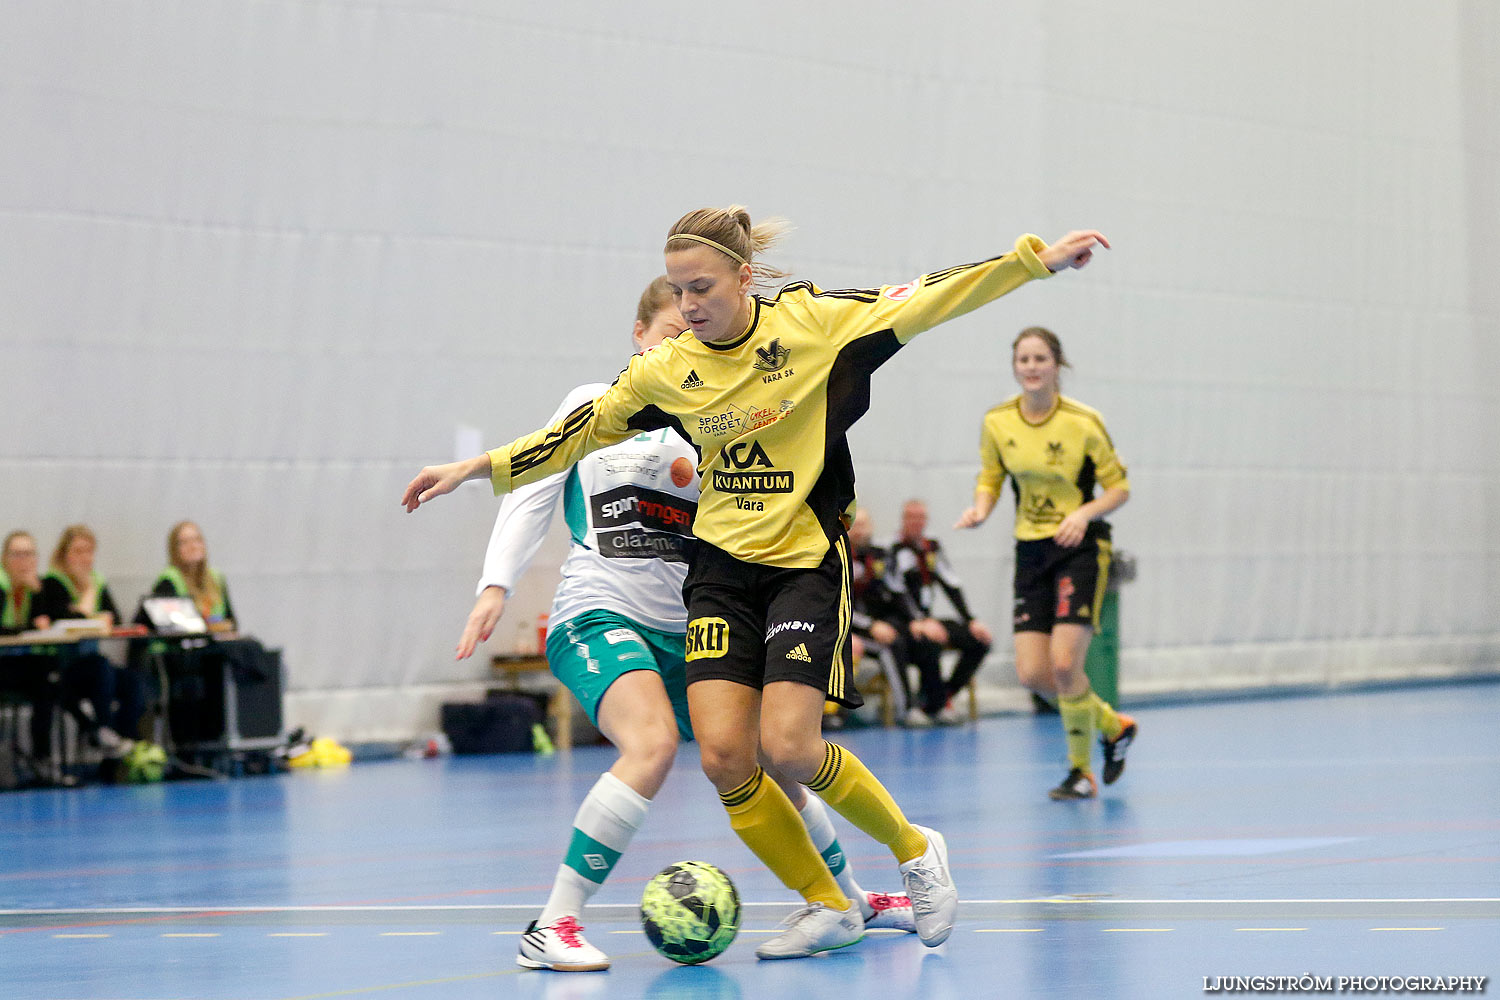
(259, 261)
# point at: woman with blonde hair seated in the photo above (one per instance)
(73, 588)
(196, 669)
(188, 574)
(24, 672)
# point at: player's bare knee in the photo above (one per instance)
(1035, 676)
(793, 754)
(726, 766)
(653, 748)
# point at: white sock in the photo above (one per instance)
(610, 815)
(820, 828)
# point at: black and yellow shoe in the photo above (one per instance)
(1114, 750)
(1078, 784)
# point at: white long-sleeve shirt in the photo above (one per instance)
(629, 510)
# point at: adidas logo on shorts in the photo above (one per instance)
(692, 381)
(799, 652)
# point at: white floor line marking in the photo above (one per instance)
(1139, 930)
(528, 907)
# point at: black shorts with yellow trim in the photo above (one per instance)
(1060, 586)
(754, 624)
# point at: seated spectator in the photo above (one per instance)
(73, 585)
(23, 671)
(106, 700)
(920, 570)
(21, 584)
(877, 617)
(194, 669)
(188, 574)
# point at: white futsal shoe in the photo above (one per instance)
(560, 946)
(814, 928)
(890, 913)
(934, 899)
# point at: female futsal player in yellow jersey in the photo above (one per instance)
(617, 641)
(1055, 450)
(766, 389)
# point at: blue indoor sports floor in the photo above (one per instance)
(1344, 835)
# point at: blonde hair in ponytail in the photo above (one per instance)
(731, 231)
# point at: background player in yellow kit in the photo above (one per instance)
(1055, 450)
(766, 389)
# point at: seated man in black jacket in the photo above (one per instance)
(919, 571)
(878, 618)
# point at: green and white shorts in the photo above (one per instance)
(589, 652)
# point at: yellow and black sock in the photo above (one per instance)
(1078, 726)
(1106, 719)
(857, 795)
(765, 819)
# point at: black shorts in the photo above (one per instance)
(754, 624)
(1059, 586)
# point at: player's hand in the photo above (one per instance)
(487, 611)
(436, 480)
(981, 631)
(1073, 250)
(883, 632)
(970, 518)
(1072, 529)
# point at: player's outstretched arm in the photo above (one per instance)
(1073, 250)
(436, 480)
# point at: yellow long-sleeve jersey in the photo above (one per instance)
(767, 411)
(1053, 464)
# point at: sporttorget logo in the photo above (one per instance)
(743, 420)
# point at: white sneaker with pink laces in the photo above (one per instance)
(892, 912)
(560, 946)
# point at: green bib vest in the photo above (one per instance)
(179, 583)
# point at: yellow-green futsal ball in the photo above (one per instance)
(690, 911)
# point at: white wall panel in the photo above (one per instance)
(262, 257)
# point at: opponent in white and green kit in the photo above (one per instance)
(618, 627)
